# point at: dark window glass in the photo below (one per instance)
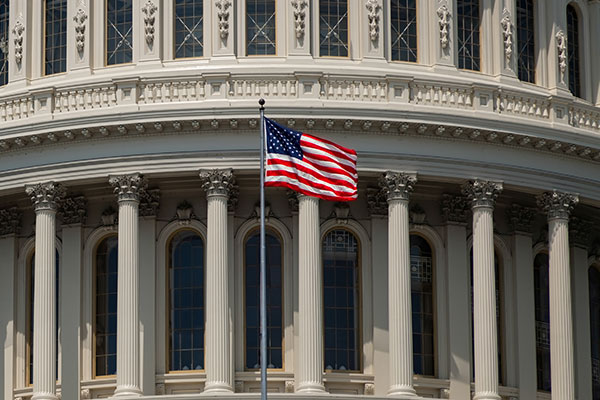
(333, 28)
(421, 273)
(274, 302)
(573, 51)
(499, 307)
(105, 282)
(31, 289)
(467, 15)
(526, 40)
(260, 27)
(186, 302)
(4, 41)
(119, 32)
(542, 320)
(404, 30)
(594, 283)
(341, 301)
(55, 45)
(189, 21)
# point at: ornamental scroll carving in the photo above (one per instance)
(507, 35)
(46, 196)
(18, 31)
(373, 8)
(397, 185)
(300, 17)
(128, 187)
(482, 193)
(223, 7)
(455, 208)
(73, 210)
(557, 204)
(149, 9)
(561, 47)
(10, 221)
(444, 24)
(79, 19)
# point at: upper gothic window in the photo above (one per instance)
(55, 42)
(404, 30)
(260, 27)
(333, 28)
(189, 34)
(526, 40)
(119, 32)
(467, 15)
(421, 274)
(594, 284)
(573, 51)
(4, 42)
(542, 320)
(341, 295)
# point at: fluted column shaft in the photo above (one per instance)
(309, 377)
(483, 195)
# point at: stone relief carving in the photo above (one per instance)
(520, 218)
(85, 394)
(369, 389)
(455, 208)
(149, 202)
(18, 31)
(293, 200)
(341, 212)
(377, 202)
(561, 46)
(184, 213)
(46, 196)
(128, 187)
(373, 8)
(73, 210)
(223, 17)
(289, 386)
(300, 7)
(580, 231)
(109, 217)
(507, 34)
(149, 9)
(397, 185)
(10, 221)
(482, 193)
(79, 19)
(444, 24)
(557, 204)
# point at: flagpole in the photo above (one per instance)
(263, 269)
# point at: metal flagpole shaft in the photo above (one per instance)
(263, 269)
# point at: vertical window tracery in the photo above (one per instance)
(594, 287)
(333, 28)
(421, 272)
(573, 51)
(119, 31)
(542, 320)
(55, 40)
(260, 27)
(404, 30)
(526, 40)
(467, 15)
(189, 25)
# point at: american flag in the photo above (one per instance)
(309, 165)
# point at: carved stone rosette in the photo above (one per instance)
(149, 9)
(300, 7)
(223, 7)
(397, 185)
(482, 193)
(127, 187)
(73, 210)
(455, 209)
(149, 202)
(10, 221)
(377, 202)
(557, 205)
(373, 8)
(79, 19)
(218, 182)
(45, 196)
(561, 47)
(444, 25)
(520, 218)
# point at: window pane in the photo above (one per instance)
(274, 301)
(260, 27)
(106, 306)
(404, 30)
(594, 283)
(467, 15)
(119, 35)
(55, 40)
(526, 40)
(189, 21)
(573, 51)
(341, 301)
(542, 320)
(333, 28)
(4, 6)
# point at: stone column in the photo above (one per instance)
(485, 337)
(397, 187)
(45, 198)
(217, 184)
(309, 377)
(558, 206)
(128, 188)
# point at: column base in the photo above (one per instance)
(486, 396)
(127, 391)
(217, 387)
(310, 388)
(402, 392)
(44, 396)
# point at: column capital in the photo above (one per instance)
(10, 221)
(73, 210)
(218, 182)
(520, 218)
(482, 193)
(128, 187)
(455, 208)
(397, 185)
(557, 204)
(45, 196)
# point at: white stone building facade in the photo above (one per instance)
(468, 267)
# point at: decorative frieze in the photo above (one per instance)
(482, 193)
(580, 232)
(377, 202)
(73, 210)
(558, 205)
(561, 47)
(397, 185)
(444, 25)
(223, 7)
(149, 9)
(149, 202)
(10, 221)
(79, 19)
(520, 218)
(455, 208)
(128, 187)
(45, 196)
(299, 7)
(373, 8)
(18, 30)
(218, 182)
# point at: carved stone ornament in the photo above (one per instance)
(342, 212)
(417, 214)
(160, 388)
(223, 7)
(127, 187)
(444, 393)
(18, 31)
(85, 394)
(10, 221)
(561, 47)
(482, 193)
(218, 182)
(580, 232)
(184, 213)
(377, 202)
(109, 217)
(444, 25)
(520, 218)
(369, 389)
(455, 208)
(149, 9)
(45, 196)
(149, 202)
(289, 386)
(507, 35)
(557, 204)
(73, 210)
(397, 185)
(268, 212)
(293, 200)
(373, 8)
(79, 19)
(300, 7)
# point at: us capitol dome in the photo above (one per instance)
(467, 268)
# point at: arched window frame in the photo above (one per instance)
(537, 249)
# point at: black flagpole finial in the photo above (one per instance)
(262, 104)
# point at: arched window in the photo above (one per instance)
(4, 7)
(404, 30)
(189, 25)
(594, 283)
(333, 28)
(573, 51)
(55, 41)
(30, 291)
(105, 306)
(186, 301)
(526, 40)
(341, 294)
(421, 272)
(274, 269)
(261, 30)
(467, 15)
(119, 31)
(542, 320)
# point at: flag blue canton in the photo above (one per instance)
(282, 140)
